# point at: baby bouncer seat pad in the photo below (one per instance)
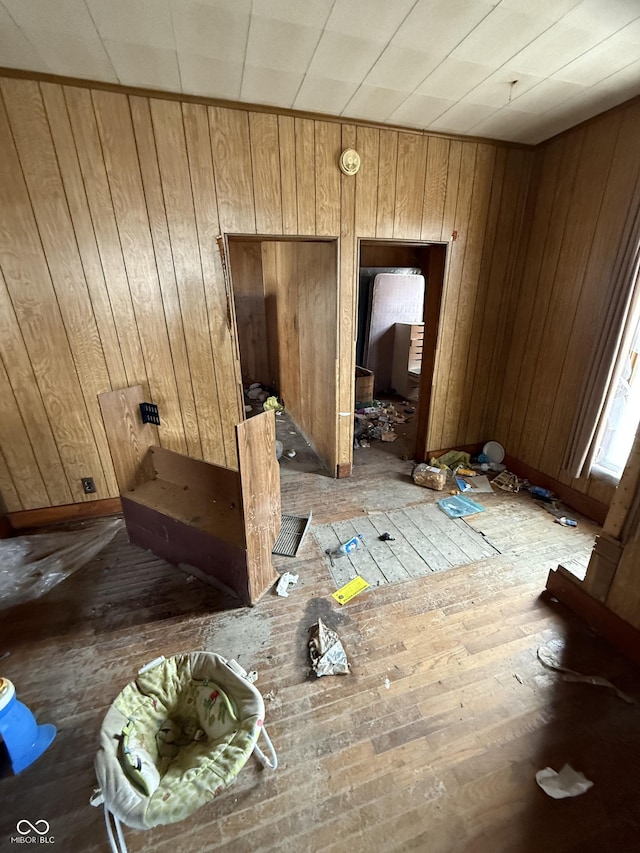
(176, 737)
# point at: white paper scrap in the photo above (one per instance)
(567, 783)
(286, 580)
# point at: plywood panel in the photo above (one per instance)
(18, 453)
(435, 188)
(39, 163)
(90, 155)
(263, 131)
(305, 175)
(368, 146)
(347, 311)
(387, 169)
(245, 260)
(129, 438)
(232, 160)
(34, 300)
(9, 498)
(412, 156)
(176, 185)
(439, 438)
(29, 400)
(217, 289)
(578, 233)
(149, 171)
(64, 144)
(327, 151)
(260, 485)
(288, 176)
(125, 181)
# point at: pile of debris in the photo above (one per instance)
(375, 421)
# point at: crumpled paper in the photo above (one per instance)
(327, 653)
(286, 580)
(567, 783)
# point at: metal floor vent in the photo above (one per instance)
(292, 532)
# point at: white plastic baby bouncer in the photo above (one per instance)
(174, 739)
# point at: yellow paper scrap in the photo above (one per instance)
(350, 590)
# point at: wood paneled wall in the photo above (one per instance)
(582, 188)
(110, 275)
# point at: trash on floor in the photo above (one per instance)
(350, 590)
(566, 522)
(327, 653)
(429, 476)
(567, 783)
(386, 537)
(374, 421)
(356, 543)
(478, 483)
(33, 565)
(286, 580)
(507, 481)
(272, 404)
(457, 506)
(548, 660)
(290, 453)
(452, 459)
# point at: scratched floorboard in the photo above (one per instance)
(430, 744)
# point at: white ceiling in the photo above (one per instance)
(518, 70)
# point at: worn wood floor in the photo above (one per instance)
(443, 759)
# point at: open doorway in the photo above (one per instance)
(399, 299)
(285, 299)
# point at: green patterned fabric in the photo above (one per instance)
(190, 724)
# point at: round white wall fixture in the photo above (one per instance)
(349, 161)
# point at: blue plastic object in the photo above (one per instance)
(24, 739)
(457, 506)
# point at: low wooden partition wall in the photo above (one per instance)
(218, 523)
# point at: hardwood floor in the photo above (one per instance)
(441, 759)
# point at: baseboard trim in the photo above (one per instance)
(570, 591)
(5, 528)
(68, 512)
(572, 497)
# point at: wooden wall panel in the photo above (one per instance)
(265, 160)
(92, 165)
(233, 173)
(305, 175)
(328, 147)
(387, 170)
(347, 308)
(216, 286)
(163, 250)
(130, 197)
(28, 281)
(288, 177)
(245, 261)
(412, 157)
(28, 397)
(39, 162)
(64, 144)
(582, 193)
(125, 181)
(435, 188)
(176, 184)
(368, 146)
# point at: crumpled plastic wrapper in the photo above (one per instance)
(30, 566)
(286, 580)
(327, 653)
(567, 783)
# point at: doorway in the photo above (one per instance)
(285, 297)
(398, 325)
